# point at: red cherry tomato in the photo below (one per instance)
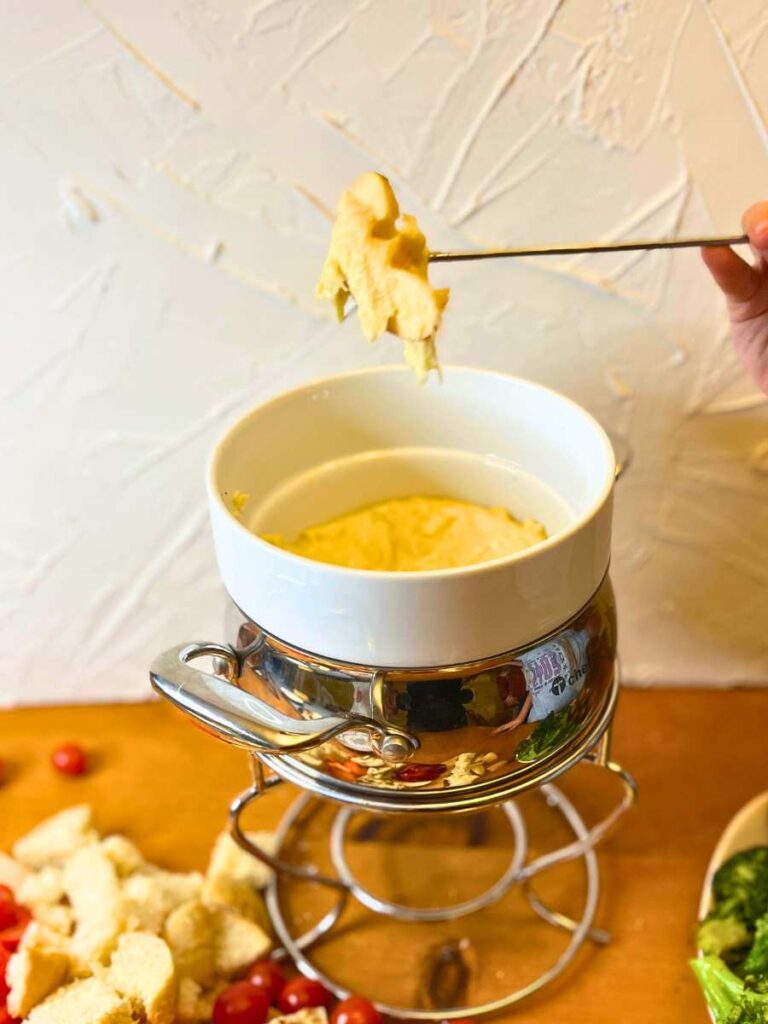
(241, 1003)
(420, 772)
(267, 976)
(301, 993)
(6, 1018)
(70, 759)
(8, 917)
(8, 908)
(355, 1010)
(5, 956)
(10, 935)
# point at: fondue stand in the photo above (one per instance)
(413, 695)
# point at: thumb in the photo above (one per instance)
(738, 280)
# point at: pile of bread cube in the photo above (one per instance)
(115, 939)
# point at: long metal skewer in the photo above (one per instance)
(570, 250)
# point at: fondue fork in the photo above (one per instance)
(585, 247)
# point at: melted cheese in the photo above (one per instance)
(415, 534)
(383, 265)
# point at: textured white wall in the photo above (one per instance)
(166, 168)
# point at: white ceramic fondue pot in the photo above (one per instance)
(337, 444)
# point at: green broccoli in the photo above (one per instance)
(733, 973)
(727, 996)
(754, 969)
(726, 937)
(740, 886)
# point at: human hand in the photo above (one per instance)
(745, 287)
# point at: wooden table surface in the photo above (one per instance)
(697, 756)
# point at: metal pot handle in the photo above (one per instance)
(240, 718)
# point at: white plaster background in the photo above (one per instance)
(165, 168)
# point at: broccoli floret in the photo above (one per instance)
(726, 937)
(754, 969)
(740, 886)
(748, 1012)
(750, 1009)
(727, 996)
(722, 989)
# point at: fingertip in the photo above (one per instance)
(755, 223)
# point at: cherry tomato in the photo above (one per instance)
(420, 772)
(241, 1003)
(5, 956)
(10, 935)
(355, 1010)
(6, 1018)
(8, 917)
(70, 759)
(267, 976)
(9, 908)
(301, 993)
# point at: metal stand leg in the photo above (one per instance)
(279, 867)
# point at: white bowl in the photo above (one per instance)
(747, 828)
(337, 444)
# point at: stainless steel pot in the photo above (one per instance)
(447, 738)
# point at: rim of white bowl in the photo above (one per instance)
(399, 574)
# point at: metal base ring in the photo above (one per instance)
(580, 930)
(449, 913)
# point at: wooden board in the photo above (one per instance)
(697, 755)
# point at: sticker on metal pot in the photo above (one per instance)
(554, 674)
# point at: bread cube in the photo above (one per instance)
(142, 969)
(34, 971)
(230, 861)
(239, 896)
(45, 886)
(189, 931)
(149, 896)
(125, 855)
(92, 1001)
(12, 873)
(93, 890)
(56, 838)
(238, 942)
